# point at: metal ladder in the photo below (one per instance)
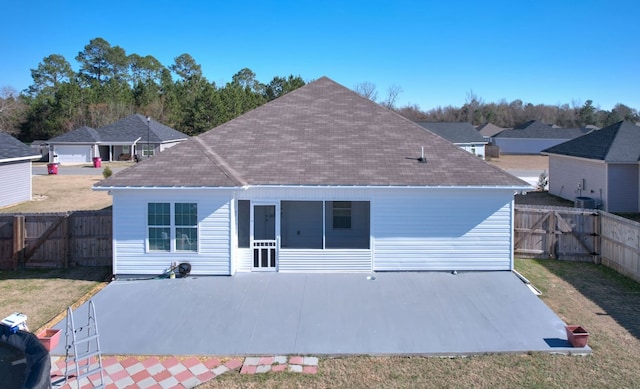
(85, 342)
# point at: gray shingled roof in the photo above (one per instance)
(322, 134)
(619, 142)
(126, 130)
(454, 132)
(13, 149)
(489, 129)
(535, 129)
(80, 135)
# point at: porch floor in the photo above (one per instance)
(422, 313)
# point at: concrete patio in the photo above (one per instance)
(425, 313)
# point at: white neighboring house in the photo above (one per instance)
(534, 136)
(463, 135)
(123, 140)
(318, 180)
(603, 165)
(15, 170)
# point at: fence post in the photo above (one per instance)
(19, 233)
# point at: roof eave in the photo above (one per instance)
(29, 157)
(482, 187)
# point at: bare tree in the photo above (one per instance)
(367, 89)
(392, 95)
(12, 110)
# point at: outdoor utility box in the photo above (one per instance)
(585, 202)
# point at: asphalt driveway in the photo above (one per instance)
(426, 313)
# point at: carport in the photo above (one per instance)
(421, 313)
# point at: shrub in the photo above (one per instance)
(107, 172)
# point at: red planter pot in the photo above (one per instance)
(577, 336)
(49, 338)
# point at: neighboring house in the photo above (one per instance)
(534, 136)
(123, 140)
(15, 170)
(602, 165)
(489, 130)
(318, 180)
(463, 135)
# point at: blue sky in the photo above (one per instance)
(438, 52)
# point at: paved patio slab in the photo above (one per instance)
(423, 313)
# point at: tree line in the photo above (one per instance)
(510, 114)
(111, 84)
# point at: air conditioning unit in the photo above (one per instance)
(585, 202)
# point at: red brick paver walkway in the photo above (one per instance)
(172, 372)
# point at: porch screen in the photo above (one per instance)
(244, 223)
(347, 225)
(301, 224)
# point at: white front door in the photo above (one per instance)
(265, 243)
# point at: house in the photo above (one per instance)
(533, 136)
(318, 180)
(15, 170)
(602, 165)
(463, 135)
(489, 130)
(132, 136)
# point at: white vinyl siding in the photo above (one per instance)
(463, 229)
(130, 232)
(566, 173)
(16, 182)
(410, 229)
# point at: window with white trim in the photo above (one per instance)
(147, 150)
(179, 233)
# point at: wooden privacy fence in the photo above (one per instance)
(85, 238)
(55, 240)
(578, 235)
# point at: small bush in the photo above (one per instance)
(107, 172)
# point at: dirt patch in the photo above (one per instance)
(61, 193)
(524, 162)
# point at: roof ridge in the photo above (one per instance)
(219, 162)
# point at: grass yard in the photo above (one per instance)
(45, 294)
(605, 303)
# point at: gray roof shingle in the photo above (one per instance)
(454, 132)
(13, 149)
(619, 142)
(489, 129)
(80, 135)
(322, 134)
(535, 129)
(126, 130)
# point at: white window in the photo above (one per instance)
(181, 230)
(147, 150)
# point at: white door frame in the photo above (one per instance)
(265, 251)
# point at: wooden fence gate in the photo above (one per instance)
(557, 232)
(55, 240)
